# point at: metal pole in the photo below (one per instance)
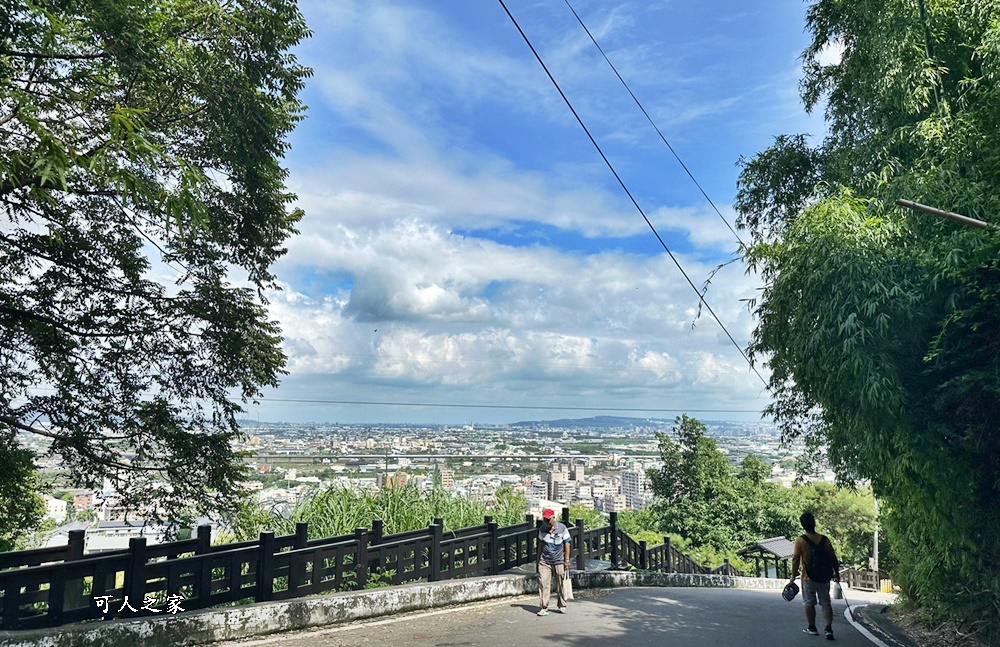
(875, 560)
(947, 215)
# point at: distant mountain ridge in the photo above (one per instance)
(597, 422)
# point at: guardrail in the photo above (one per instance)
(866, 580)
(55, 586)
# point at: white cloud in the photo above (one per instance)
(830, 54)
(552, 325)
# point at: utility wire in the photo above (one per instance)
(455, 405)
(569, 104)
(504, 406)
(652, 123)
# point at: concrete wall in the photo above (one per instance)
(237, 622)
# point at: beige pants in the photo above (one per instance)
(546, 573)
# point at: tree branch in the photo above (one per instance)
(23, 427)
(65, 327)
(58, 57)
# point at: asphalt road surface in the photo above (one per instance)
(626, 617)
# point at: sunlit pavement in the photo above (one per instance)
(645, 617)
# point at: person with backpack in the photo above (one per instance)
(818, 559)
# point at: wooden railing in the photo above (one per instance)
(670, 560)
(54, 586)
(865, 580)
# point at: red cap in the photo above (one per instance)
(548, 514)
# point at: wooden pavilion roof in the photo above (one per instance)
(778, 547)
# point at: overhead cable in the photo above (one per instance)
(652, 123)
(569, 104)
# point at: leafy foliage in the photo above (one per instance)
(21, 508)
(712, 509)
(881, 325)
(136, 132)
(848, 518)
(591, 518)
(710, 503)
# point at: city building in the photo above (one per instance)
(613, 503)
(56, 509)
(636, 489)
(564, 490)
(83, 502)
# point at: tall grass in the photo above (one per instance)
(339, 511)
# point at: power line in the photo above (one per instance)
(652, 123)
(451, 405)
(455, 405)
(569, 104)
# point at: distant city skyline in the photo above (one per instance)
(555, 422)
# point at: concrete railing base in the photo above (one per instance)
(240, 622)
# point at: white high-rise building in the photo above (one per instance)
(564, 490)
(613, 503)
(636, 488)
(555, 477)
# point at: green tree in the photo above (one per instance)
(642, 525)
(133, 133)
(881, 326)
(710, 503)
(21, 508)
(847, 516)
(591, 518)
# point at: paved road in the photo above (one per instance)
(627, 617)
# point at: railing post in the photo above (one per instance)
(493, 528)
(135, 572)
(565, 516)
(374, 539)
(297, 565)
(614, 539)
(11, 603)
(203, 583)
(74, 551)
(529, 519)
(435, 556)
(57, 600)
(670, 556)
(75, 545)
(301, 535)
(361, 563)
(581, 557)
(265, 568)
(643, 557)
(204, 538)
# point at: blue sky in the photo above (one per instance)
(464, 243)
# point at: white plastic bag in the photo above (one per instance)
(567, 587)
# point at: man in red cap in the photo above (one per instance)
(552, 560)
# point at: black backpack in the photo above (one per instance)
(820, 566)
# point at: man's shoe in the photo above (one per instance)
(562, 609)
(812, 631)
(543, 612)
(829, 633)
